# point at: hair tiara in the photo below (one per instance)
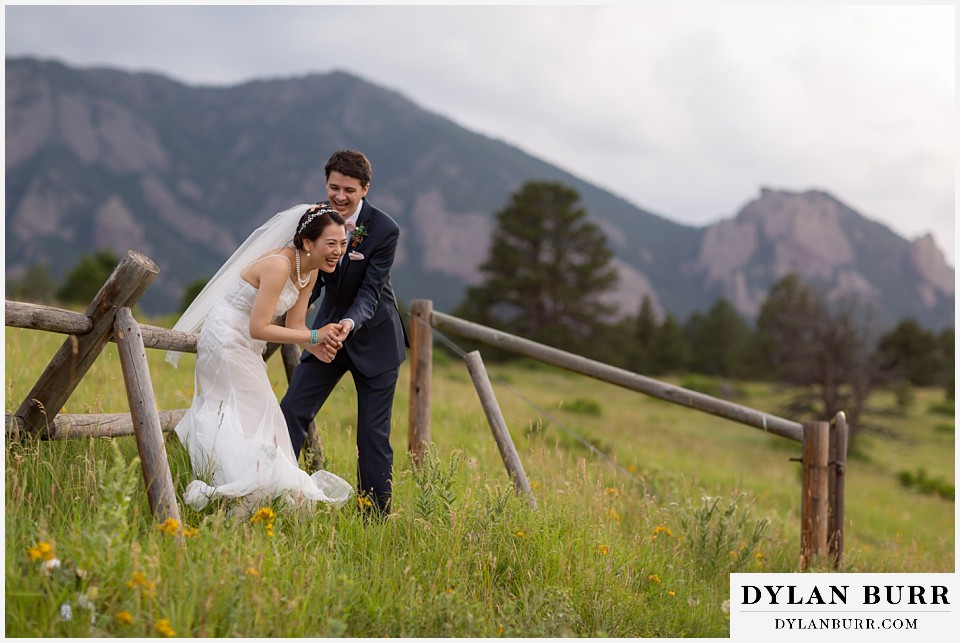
(314, 212)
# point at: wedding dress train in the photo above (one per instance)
(234, 430)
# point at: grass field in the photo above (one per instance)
(638, 541)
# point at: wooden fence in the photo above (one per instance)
(109, 318)
(824, 443)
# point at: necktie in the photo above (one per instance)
(350, 226)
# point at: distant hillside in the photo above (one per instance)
(100, 158)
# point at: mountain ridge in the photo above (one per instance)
(106, 158)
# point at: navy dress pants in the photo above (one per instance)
(312, 383)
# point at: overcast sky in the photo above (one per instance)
(685, 110)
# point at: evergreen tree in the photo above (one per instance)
(192, 290)
(35, 286)
(547, 270)
(947, 348)
(669, 352)
(784, 325)
(824, 352)
(86, 279)
(646, 331)
(913, 353)
(718, 341)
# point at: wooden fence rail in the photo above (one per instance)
(824, 443)
(56, 320)
(123, 288)
(620, 377)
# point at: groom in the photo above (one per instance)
(357, 294)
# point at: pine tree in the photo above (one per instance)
(914, 353)
(89, 275)
(824, 349)
(547, 270)
(646, 331)
(192, 290)
(719, 340)
(36, 285)
(669, 352)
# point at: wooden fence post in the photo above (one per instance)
(814, 503)
(421, 372)
(146, 419)
(499, 427)
(838, 466)
(290, 355)
(124, 287)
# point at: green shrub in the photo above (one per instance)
(925, 484)
(583, 406)
(946, 407)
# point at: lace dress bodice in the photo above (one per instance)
(228, 323)
(235, 433)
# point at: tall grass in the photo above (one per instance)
(638, 542)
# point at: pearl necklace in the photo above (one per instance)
(302, 282)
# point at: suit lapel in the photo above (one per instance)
(362, 219)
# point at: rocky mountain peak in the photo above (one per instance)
(815, 235)
(101, 158)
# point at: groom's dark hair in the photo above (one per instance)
(349, 163)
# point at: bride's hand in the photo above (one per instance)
(331, 335)
(322, 352)
(326, 348)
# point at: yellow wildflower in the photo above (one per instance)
(251, 572)
(653, 578)
(613, 515)
(632, 468)
(759, 555)
(139, 579)
(364, 502)
(42, 550)
(163, 628)
(264, 514)
(671, 593)
(662, 529)
(603, 550)
(611, 491)
(170, 526)
(521, 535)
(124, 617)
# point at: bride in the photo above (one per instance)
(234, 430)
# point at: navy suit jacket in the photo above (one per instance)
(360, 290)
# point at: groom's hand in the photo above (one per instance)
(346, 325)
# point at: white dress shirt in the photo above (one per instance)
(352, 218)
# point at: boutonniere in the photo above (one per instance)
(358, 235)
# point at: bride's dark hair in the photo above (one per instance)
(314, 220)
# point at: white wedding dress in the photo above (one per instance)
(234, 430)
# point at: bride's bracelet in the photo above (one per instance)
(314, 338)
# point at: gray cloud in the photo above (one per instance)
(686, 110)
